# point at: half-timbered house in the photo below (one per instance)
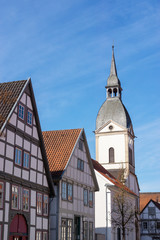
(75, 185)
(25, 181)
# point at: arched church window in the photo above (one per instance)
(115, 92)
(111, 155)
(130, 156)
(109, 92)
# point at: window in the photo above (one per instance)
(158, 225)
(145, 225)
(130, 156)
(64, 190)
(18, 156)
(29, 117)
(25, 200)
(66, 229)
(90, 199)
(111, 155)
(118, 234)
(70, 192)
(151, 211)
(45, 205)
(85, 230)
(26, 160)
(39, 203)
(80, 145)
(14, 197)
(91, 231)
(38, 236)
(1, 194)
(67, 191)
(85, 197)
(45, 236)
(80, 164)
(21, 112)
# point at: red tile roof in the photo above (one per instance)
(9, 93)
(59, 146)
(99, 168)
(146, 197)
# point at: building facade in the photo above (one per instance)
(115, 148)
(25, 180)
(75, 185)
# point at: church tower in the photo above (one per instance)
(114, 132)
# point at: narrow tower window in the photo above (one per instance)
(111, 155)
(114, 92)
(130, 156)
(110, 92)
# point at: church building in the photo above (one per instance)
(114, 137)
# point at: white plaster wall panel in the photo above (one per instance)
(115, 128)
(25, 174)
(34, 150)
(17, 172)
(23, 99)
(33, 217)
(5, 236)
(34, 121)
(7, 190)
(39, 222)
(9, 151)
(28, 130)
(70, 206)
(13, 119)
(33, 163)
(2, 147)
(1, 163)
(10, 137)
(1, 215)
(20, 125)
(33, 198)
(32, 233)
(40, 166)
(35, 133)
(6, 211)
(45, 223)
(39, 153)
(64, 204)
(32, 176)
(115, 141)
(19, 140)
(39, 178)
(29, 104)
(8, 167)
(45, 183)
(27, 145)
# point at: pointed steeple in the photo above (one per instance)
(113, 70)
(113, 84)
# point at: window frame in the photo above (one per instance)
(85, 191)
(13, 208)
(44, 232)
(67, 227)
(30, 112)
(66, 197)
(90, 231)
(145, 227)
(25, 152)
(90, 201)
(85, 230)
(38, 231)
(18, 149)
(45, 195)
(1, 207)
(20, 104)
(70, 184)
(111, 155)
(41, 213)
(25, 189)
(62, 192)
(80, 163)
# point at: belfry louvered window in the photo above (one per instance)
(111, 155)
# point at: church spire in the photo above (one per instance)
(113, 70)
(113, 84)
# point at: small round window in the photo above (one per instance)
(110, 127)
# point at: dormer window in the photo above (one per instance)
(111, 155)
(21, 112)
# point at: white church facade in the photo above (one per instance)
(114, 137)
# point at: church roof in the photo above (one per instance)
(99, 168)
(113, 109)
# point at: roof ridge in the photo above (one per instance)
(63, 130)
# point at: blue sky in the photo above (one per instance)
(65, 47)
